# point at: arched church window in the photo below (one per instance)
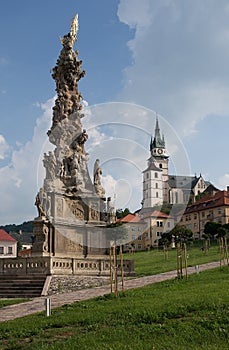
(160, 166)
(156, 185)
(156, 175)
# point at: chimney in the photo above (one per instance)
(227, 191)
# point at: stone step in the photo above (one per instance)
(21, 286)
(21, 277)
(21, 282)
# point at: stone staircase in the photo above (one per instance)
(21, 286)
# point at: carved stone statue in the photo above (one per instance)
(97, 173)
(50, 165)
(67, 73)
(38, 203)
(97, 180)
(68, 192)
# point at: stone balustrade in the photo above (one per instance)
(61, 266)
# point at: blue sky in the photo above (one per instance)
(167, 56)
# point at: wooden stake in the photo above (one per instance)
(122, 270)
(221, 251)
(181, 261)
(178, 275)
(115, 273)
(186, 261)
(111, 265)
(226, 249)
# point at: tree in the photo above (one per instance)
(211, 228)
(181, 232)
(120, 213)
(166, 239)
(226, 226)
(222, 232)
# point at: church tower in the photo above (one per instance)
(155, 177)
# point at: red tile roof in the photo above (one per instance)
(130, 218)
(220, 198)
(4, 236)
(157, 214)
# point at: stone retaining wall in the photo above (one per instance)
(65, 284)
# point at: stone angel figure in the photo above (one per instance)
(97, 173)
(97, 180)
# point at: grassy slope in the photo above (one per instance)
(152, 262)
(7, 302)
(176, 314)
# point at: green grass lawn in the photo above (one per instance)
(7, 302)
(171, 315)
(153, 261)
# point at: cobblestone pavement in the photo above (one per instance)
(38, 304)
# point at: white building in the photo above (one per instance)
(155, 177)
(8, 245)
(159, 187)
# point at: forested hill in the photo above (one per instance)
(27, 226)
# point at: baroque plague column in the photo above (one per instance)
(72, 210)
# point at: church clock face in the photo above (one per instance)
(160, 151)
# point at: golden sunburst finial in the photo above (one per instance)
(74, 27)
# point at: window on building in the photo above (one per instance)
(158, 234)
(195, 216)
(156, 185)
(203, 214)
(10, 250)
(156, 175)
(195, 225)
(219, 211)
(159, 223)
(139, 246)
(156, 194)
(160, 166)
(139, 238)
(1, 250)
(168, 224)
(146, 235)
(133, 237)
(176, 197)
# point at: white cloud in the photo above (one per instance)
(18, 179)
(180, 54)
(4, 147)
(224, 181)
